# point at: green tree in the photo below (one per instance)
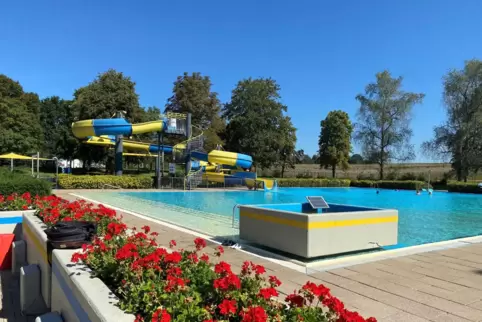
(109, 93)
(192, 94)
(356, 159)
(256, 119)
(287, 153)
(56, 117)
(20, 129)
(335, 141)
(383, 127)
(460, 137)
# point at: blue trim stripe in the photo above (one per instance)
(78, 309)
(10, 220)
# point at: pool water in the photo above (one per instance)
(422, 218)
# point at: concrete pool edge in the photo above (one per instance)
(318, 265)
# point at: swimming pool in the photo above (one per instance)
(422, 218)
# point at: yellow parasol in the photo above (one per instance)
(15, 156)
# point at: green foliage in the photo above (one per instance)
(356, 159)
(388, 184)
(383, 127)
(104, 181)
(56, 117)
(18, 183)
(192, 94)
(20, 129)
(457, 186)
(109, 93)
(256, 123)
(335, 141)
(460, 138)
(301, 182)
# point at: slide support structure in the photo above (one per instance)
(118, 150)
(188, 150)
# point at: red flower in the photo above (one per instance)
(274, 281)
(193, 257)
(316, 290)
(139, 318)
(222, 268)
(333, 304)
(204, 258)
(161, 316)
(24, 207)
(372, 319)
(219, 251)
(267, 293)
(254, 314)
(174, 257)
(258, 269)
(200, 243)
(295, 300)
(227, 282)
(146, 229)
(172, 244)
(227, 307)
(127, 251)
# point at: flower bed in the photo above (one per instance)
(157, 284)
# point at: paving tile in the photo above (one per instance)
(402, 317)
(449, 318)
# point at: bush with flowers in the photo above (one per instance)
(159, 284)
(15, 202)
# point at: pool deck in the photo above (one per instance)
(442, 285)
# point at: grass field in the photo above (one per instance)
(418, 171)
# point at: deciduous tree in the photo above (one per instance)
(335, 141)
(256, 122)
(56, 117)
(383, 127)
(460, 137)
(20, 129)
(192, 94)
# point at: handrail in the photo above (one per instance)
(234, 212)
(192, 138)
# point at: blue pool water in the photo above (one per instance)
(422, 218)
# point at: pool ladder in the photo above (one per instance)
(236, 206)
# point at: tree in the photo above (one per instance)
(383, 127)
(356, 159)
(335, 141)
(287, 146)
(461, 136)
(56, 117)
(256, 120)
(192, 94)
(20, 129)
(109, 93)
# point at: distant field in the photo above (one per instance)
(370, 171)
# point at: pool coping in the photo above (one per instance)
(317, 265)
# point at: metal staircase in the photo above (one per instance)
(194, 144)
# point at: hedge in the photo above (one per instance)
(19, 183)
(300, 182)
(388, 184)
(456, 186)
(104, 181)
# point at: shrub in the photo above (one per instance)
(103, 181)
(299, 182)
(19, 183)
(457, 186)
(304, 175)
(185, 285)
(387, 184)
(365, 176)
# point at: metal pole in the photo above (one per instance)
(32, 168)
(118, 150)
(188, 135)
(158, 161)
(162, 157)
(38, 164)
(11, 164)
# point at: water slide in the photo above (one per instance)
(103, 131)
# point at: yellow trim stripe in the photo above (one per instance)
(36, 242)
(320, 224)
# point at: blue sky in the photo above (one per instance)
(322, 53)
